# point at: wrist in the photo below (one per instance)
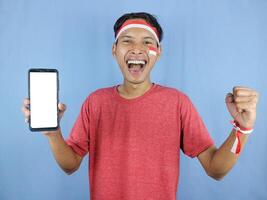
(243, 128)
(238, 132)
(52, 134)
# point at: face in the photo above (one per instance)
(132, 54)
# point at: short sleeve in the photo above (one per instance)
(194, 135)
(78, 139)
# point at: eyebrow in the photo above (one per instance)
(148, 37)
(126, 36)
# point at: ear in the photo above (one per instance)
(114, 46)
(159, 52)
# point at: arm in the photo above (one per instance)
(218, 162)
(66, 158)
(242, 106)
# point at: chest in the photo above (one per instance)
(150, 126)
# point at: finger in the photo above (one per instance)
(229, 98)
(26, 102)
(62, 107)
(25, 111)
(26, 120)
(243, 99)
(244, 92)
(241, 87)
(245, 106)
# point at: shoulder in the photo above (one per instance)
(171, 92)
(100, 95)
(103, 92)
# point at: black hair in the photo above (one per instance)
(139, 15)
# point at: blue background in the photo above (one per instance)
(208, 47)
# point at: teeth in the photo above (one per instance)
(136, 62)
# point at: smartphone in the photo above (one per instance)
(43, 88)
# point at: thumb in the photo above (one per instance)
(62, 108)
(229, 98)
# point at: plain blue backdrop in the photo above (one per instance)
(208, 47)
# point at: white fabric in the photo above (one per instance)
(138, 26)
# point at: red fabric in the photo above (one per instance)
(138, 21)
(238, 149)
(238, 134)
(236, 124)
(134, 145)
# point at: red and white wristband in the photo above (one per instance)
(237, 144)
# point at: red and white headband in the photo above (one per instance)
(138, 24)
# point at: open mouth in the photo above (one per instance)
(136, 63)
(136, 67)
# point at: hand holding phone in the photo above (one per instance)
(42, 107)
(26, 111)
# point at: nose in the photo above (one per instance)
(138, 48)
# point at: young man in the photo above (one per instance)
(133, 132)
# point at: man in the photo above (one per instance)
(133, 132)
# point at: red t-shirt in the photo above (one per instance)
(134, 145)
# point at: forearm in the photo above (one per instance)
(67, 159)
(223, 159)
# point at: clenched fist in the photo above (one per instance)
(242, 105)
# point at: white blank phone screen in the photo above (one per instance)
(43, 99)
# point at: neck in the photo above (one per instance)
(130, 90)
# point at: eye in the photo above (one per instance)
(126, 41)
(148, 42)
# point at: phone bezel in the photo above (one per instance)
(29, 96)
